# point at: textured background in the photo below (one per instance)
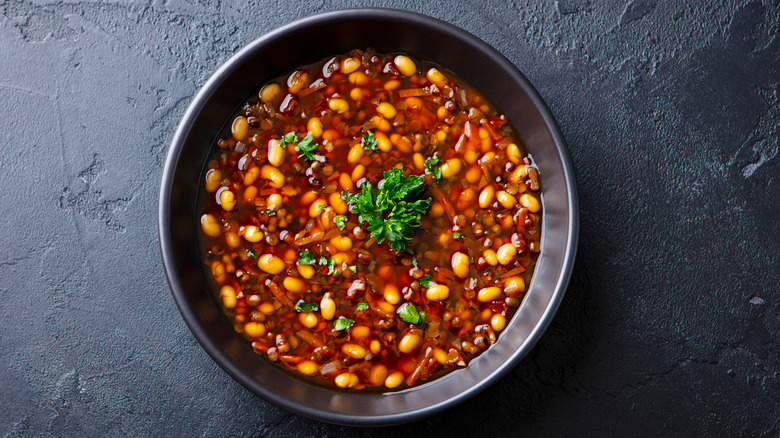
(670, 325)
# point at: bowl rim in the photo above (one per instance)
(198, 103)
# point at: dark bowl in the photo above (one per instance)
(306, 41)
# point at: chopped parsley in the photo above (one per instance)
(432, 167)
(304, 307)
(425, 281)
(369, 142)
(393, 210)
(306, 148)
(340, 221)
(409, 313)
(305, 258)
(320, 207)
(330, 263)
(352, 268)
(457, 235)
(250, 253)
(342, 323)
(362, 305)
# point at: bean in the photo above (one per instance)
(490, 257)
(391, 294)
(227, 200)
(394, 379)
(338, 204)
(436, 77)
(346, 380)
(359, 332)
(506, 253)
(498, 322)
(383, 142)
(273, 175)
(341, 243)
(308, 368)
(378, 375)
(254, 329)
(507, 201)
(317, 207)
(251, 175)
(276, 152)
(297, 81)
(355, 153)
(210, 225)
(314, 125)
(530, 202)
(271, 264)
(391, 85)
(232, 239)
(327, 307)
(374, 346)
(513, 153)
(274, 201)
(460, 264)
(346, 182)
(488, 294)
(409, 343)
(450, 168)
(474, 174)
(213, 180)
(270, 92)
(293, 284)
(437, 292)
(419, 161)
(514, 286)
(307, 319)
(253, 234)
(358, 172)
(354, 351)
(349, 65)
(405, 65)
(387, 110)
(306, 271)
(228, 295)
(486, 196)
(266, 308)
(338, 105)
(240, 128)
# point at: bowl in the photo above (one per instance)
(309, 40)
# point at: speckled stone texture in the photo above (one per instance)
(671, 323)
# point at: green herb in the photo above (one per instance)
(392, 210)
(304, 147)
(250, 253)
(362, 305)
(425, 281)
(342, 323)
(269, 212)
(352, 268)
(330, 263)
(303, 306)
(305, 258)
(457, 235)
(340, 221)
(369, 141)
(414, 261)
(409, 313)
(432, 167)
(320, 207)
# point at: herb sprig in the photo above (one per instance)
(393, 210)
(306, 147)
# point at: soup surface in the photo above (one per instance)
(370, 221)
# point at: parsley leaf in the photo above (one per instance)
(393, 210)
(342, 323)
(352, 268)
(304, 147)
(340, 221)
(369, 142)
(425, 281)
(251, 253)
(320, 207)
(409, 313)
(432, 167)
(305, 258)
(330, 263)
(303, 306)
(362, 305)
(457, 235)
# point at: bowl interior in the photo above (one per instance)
(309, 40)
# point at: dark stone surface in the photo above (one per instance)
(671, 323)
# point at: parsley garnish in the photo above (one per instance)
(393, 210)
(320, 207)
(432, 167)
(342, 324)
(340, 221)
(425, 281)
(352, 268)
(303, 306)
(457, 235)
(330, 263)
(269, 212)
(304, 147)
(305, 258)
(409, 313)
(362, 305)
(369, 142)
(251, 253)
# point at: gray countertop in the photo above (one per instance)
(670, 325)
